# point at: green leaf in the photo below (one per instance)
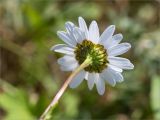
(14, 102)
(70, 102)
(155, 96)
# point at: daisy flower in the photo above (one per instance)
(82, 43)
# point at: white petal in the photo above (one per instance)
(119, 49)
(116, 75)
(69, 26)
(66, 60)
(68, 63)
(94, 32)
(100, 84)
(77, 79)
(79, 35)
(122, 63)
(65, 37)
(70, 31)
(91, 80)
(83, 26)
(69, 67)
(107, 75)
(62, 48)
(107, 34)
(115, 68)
(119, 77)
(86, 76)
(116, 39)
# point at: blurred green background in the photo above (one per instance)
(30, 75)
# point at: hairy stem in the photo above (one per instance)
(63, 88)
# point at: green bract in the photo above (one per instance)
(96, 52)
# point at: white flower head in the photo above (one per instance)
(82, 42)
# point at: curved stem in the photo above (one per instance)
(63, 88)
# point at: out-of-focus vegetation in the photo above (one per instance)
(30, 75)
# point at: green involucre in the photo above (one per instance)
(96, 52)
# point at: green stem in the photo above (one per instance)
(63, 88)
